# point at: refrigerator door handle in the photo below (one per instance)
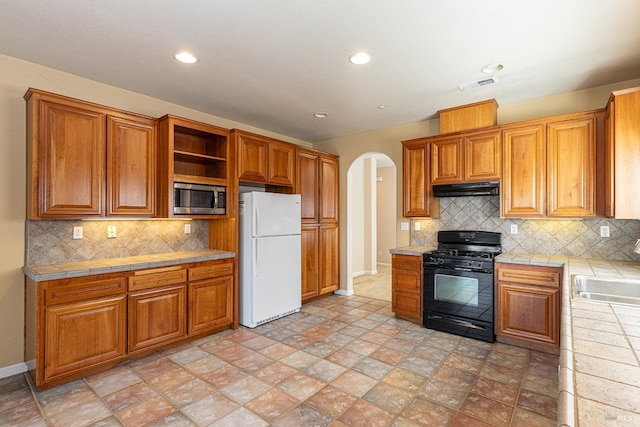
(255, 259)
(256, 220)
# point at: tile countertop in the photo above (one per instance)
(39, 273)
(412, 250)
(599, 382)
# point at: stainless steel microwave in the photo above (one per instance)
(199, 199)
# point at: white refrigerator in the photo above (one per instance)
(270, 257)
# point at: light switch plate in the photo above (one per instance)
(187, 228)
(77, 233)
(604, 231)
(416, 226)
(514, 228)
(404, 226)
(111, 231)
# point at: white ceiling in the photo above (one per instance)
(274, 63)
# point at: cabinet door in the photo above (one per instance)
(329, 259)
(530, 312)
(156, 317)
(415, 200)
(447, 161)
(523, 184)
(329, 190)
(307, 175)
(310, 262)
(210, 304)
(83, 334)
(252, 161)
(72, 160)
(609, 156)
(571, 164)
(281, 163)
(131, 161)
(482, 155)
(407, 304)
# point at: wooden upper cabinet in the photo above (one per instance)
(131, 166)
(482, 157)
(66, 152)
(571, 161)
(417, 200)
(622, 154)
(281, 163)
(307, 176)
(86, 160)
(264, 160)
(523, 183)
(329, 189)
(252, 159)
(447, 160)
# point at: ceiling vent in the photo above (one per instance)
(478, 83)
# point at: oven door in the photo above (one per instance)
(459, 301)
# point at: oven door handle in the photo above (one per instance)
(458, 322)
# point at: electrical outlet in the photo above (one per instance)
(416, 226)
(604, 231)
(404, 226)
(187, 228)
(77, 233)
(111, 231)
(514, 228)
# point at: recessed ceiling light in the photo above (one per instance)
(186, 57)
(360, 58)
(380, 107)
(320, 115)
(492, 68)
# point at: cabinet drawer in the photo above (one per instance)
(158, 277)
(82, 288)
(210, 271)
(407, 262)
(530, 275)
(407, 280)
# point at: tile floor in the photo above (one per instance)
(376, 286)
(341, 361)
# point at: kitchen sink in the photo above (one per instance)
(610, 289)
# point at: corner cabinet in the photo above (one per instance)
(528, 304)
(264, 160)
(406, 287)
(79, 326)
(74, 147)
(417, 200)
(550, 168)
(622, 154)
(317, 183)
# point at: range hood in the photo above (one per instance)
(467, 189)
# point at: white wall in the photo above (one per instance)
(386, 210)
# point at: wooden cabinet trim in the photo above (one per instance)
(67, 290)
(210, 271)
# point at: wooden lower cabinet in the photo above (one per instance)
(406, 287)
(210, 304)
(156, 317)
(82, 334)
(80, 326)
(310, 262)
(528, 303)
(329, 259)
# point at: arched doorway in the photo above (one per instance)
(371, 231)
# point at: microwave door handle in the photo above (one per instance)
(215, 199)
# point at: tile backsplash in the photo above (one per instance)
(51, 242)
(535, 236)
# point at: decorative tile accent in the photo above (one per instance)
(553, 237)
(50, 242)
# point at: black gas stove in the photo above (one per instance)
(465, 250)
(458, 283)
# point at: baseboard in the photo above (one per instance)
(365, 272)
(9, 371)
(343, 293)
